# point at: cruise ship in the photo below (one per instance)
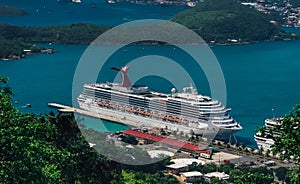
(265, 139)
(185, 111)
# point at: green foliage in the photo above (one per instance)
(215, 180)
(287, 144)
(130, 140)
(226, 168)
(51, 149)
(194, 166)
(207, 168)
(14, 39)
(281, 173)
(145, 178)
(46, 149)
(293, 175)
(69, 34)
(249, 175)
(228, 19)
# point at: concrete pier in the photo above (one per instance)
(126, 118)
(64, 108)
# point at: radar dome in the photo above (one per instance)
(173, 90)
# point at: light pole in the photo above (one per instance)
(273, 113)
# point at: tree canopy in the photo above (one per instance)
(46, 148)
(51, 148)
(225, 20)
(248, 175)
(14, 39)
(287, 143)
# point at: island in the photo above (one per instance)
(16, 42)
(6, 10)
(228, 21)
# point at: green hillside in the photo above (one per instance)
(6, 10)
(216, 20)
(14, 39)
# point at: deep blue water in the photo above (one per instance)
(259, 77)
(51, 12)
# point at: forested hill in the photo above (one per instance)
(6, 10)
(14, 39)
(224, 20)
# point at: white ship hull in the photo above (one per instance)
(186, 111)
(264, 143)
(159, 123)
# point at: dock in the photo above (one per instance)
(64, 108)
(125, 118)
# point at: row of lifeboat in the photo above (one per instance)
(142, 112)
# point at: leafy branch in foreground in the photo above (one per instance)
(46, 149)
(287, 144)
(50, 148)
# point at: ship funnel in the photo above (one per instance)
(125, 79)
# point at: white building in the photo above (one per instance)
(190, 177)
(177, 168)
(220, 175)
(187, 161)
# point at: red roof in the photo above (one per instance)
(162, 139)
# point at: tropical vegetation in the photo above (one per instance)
(50, 148)
(14, 39)
(287, 143)
(228, 21)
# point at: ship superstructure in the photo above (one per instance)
(265, 138)
(184, 111)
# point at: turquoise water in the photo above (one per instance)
(51, 12)
(258, 77)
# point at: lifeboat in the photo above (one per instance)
(170, 118)
(128, 109)
(177, 119)
(156, 115)
(185, 121)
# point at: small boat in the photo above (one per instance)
(28, 105)
(111, 1)
(191, 4)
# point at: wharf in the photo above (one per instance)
(64, 108)
(129, 119)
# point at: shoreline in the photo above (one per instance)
(22, 56)
(12, 42)
(45, 51)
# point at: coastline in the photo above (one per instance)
(52, 50)
(23, 42)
